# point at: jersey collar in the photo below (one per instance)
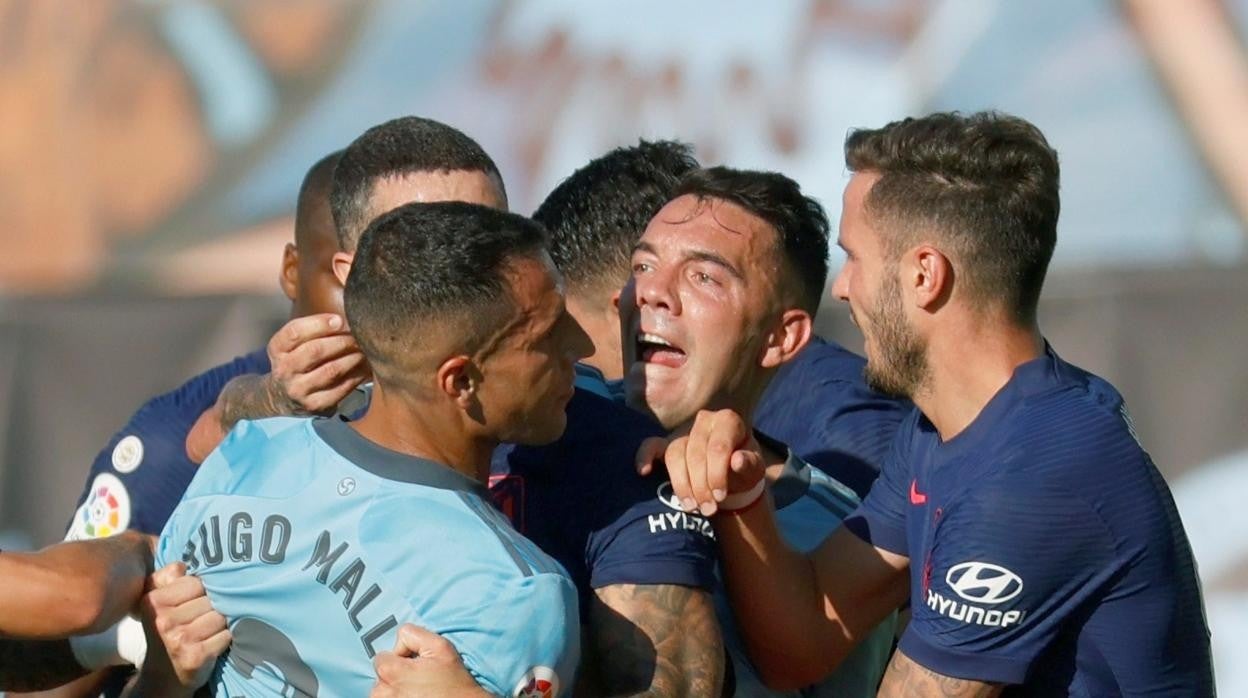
(388, 464)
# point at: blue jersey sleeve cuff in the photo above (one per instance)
(877, 530)
(971, 666)
(679, 572)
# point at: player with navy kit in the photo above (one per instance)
(316, 539)
(138, 478)
(596, 217)
(1039, 545)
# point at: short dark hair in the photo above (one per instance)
(402, 146)
(314, 190)
(598, 213)
(987, 183)
(425, 263)
(799, 221)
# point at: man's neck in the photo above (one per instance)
(773, 460)
(968, 365)
(596, 317)
(402, 424)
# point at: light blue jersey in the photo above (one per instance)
(809, 506)
(316, 544)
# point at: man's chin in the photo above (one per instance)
(547, 432)
(886, 384)
(667, 409)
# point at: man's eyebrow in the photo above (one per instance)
(701, 255)
(643, 246)
(716, 259)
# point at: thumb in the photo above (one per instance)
(748, 464)
(648, 453)
(415, 641)
(166, 575)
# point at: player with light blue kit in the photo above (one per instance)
(317, 539)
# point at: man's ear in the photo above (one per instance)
(342, 266)
(791, 334)
(459, 379)
(930, 275)
(288, 279)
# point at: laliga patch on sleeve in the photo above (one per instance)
(105, 512)
(538, 682)
(128, 454)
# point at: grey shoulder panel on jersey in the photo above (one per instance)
(389, 464)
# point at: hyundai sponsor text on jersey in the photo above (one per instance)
(1045, 549)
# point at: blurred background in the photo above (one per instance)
(150, 154)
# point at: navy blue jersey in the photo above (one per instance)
(820, 406)
(581, 501)
(139, 477)
(1045, 549)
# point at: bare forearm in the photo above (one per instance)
(656, 640)
(73, 588)
(905, 678)
(777, 602)
(36, 665)
(251, 397)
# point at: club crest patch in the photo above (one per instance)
(128, 454)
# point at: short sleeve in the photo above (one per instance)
(138, 478)
(542, 622)
(652, 541)
(881, 518)
(1011, 561)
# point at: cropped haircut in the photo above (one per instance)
(799, 221)
(314, 190)
(396, 148)
(435, 267)
(599, 212)
(986, 184)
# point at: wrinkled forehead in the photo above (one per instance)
(711, 225)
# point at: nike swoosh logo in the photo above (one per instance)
(916, 497)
